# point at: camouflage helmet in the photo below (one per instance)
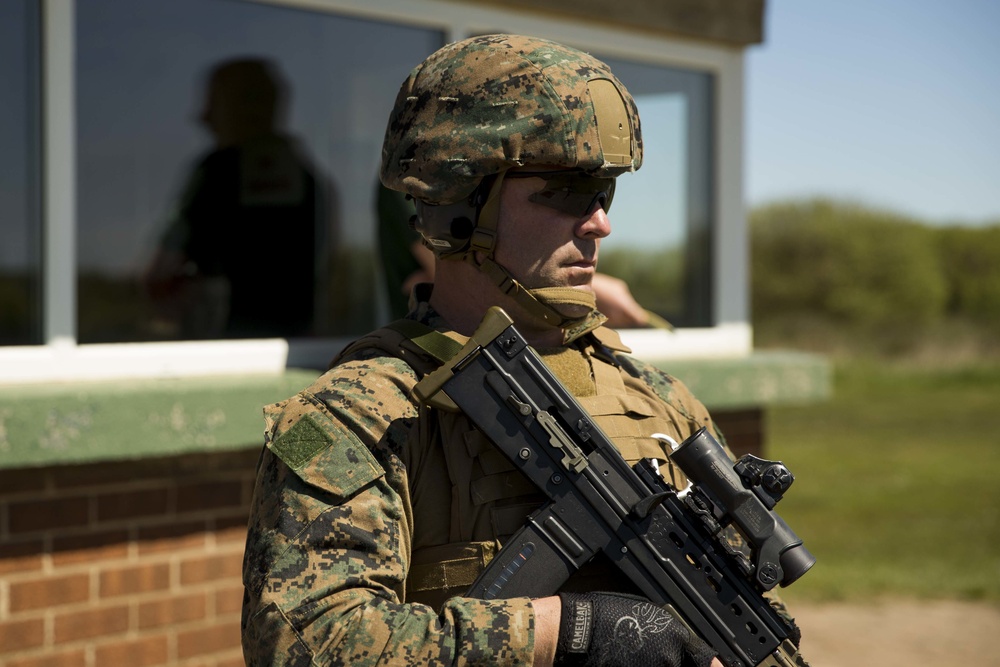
(478, 107)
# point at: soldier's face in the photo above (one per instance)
(544, 247)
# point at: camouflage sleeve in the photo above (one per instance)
(329, 535)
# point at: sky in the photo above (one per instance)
(890, 103)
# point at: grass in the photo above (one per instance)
(897, 490)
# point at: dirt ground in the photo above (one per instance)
(903, 633)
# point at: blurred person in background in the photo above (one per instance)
(245, 251)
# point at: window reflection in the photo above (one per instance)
(20, 226)
(661, 219)
(253, 225)
(225, 185)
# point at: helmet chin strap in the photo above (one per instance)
(543, 303)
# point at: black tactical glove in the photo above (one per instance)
(612, 630)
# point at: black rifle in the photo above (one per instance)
(667, 542)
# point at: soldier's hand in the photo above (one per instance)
(611, 629)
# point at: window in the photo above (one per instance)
(661, 219)
(226, 186)
(90, 215)
(20, 226)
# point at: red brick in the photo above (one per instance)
(72, 658)
(235, 661)
(212, 568)
(743, 429)
(45, 515)
(91, 623)
(49, 592)
(209, 495)
(16, 481)
(229, 601)
(20, 635)
(133, 504)
(172, 537)
(172, 610)
(107, 473)
(138, 579)
(153, 469)
(231, 529)
(21, 556)
(213, 639)
(249, 482)
(91, 547)
(142, 652)
(225, 659)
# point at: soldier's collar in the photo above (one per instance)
(610, 339)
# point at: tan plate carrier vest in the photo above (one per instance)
(466, 498)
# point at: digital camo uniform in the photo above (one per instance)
(373, 514)
(358, 500)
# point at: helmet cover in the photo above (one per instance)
(487, 104)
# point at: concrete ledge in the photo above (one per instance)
(762, 379)
(84, 422)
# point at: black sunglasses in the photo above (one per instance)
(572, 192)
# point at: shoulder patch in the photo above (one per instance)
(301, 442)
(337, 463)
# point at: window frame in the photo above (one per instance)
(61, 358)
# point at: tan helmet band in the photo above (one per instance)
(515, 290)
(614, 122)
(484, 236)
(543, 303)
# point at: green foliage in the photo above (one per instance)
(896, 492)
(653, 275)
(854, 265)
(970, 258)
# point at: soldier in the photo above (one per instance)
(372, 513)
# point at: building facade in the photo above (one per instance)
(130, 390)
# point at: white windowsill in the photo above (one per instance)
(725, 341)
(64, 361)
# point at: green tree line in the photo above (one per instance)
(856, 268)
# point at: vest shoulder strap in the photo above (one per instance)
(420, 346)
(433, 343)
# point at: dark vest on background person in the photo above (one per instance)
(255, 215)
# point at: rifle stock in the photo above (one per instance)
(668, 543)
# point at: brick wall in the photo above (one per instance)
(743, 430)
(128, 563)
(138, 563)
